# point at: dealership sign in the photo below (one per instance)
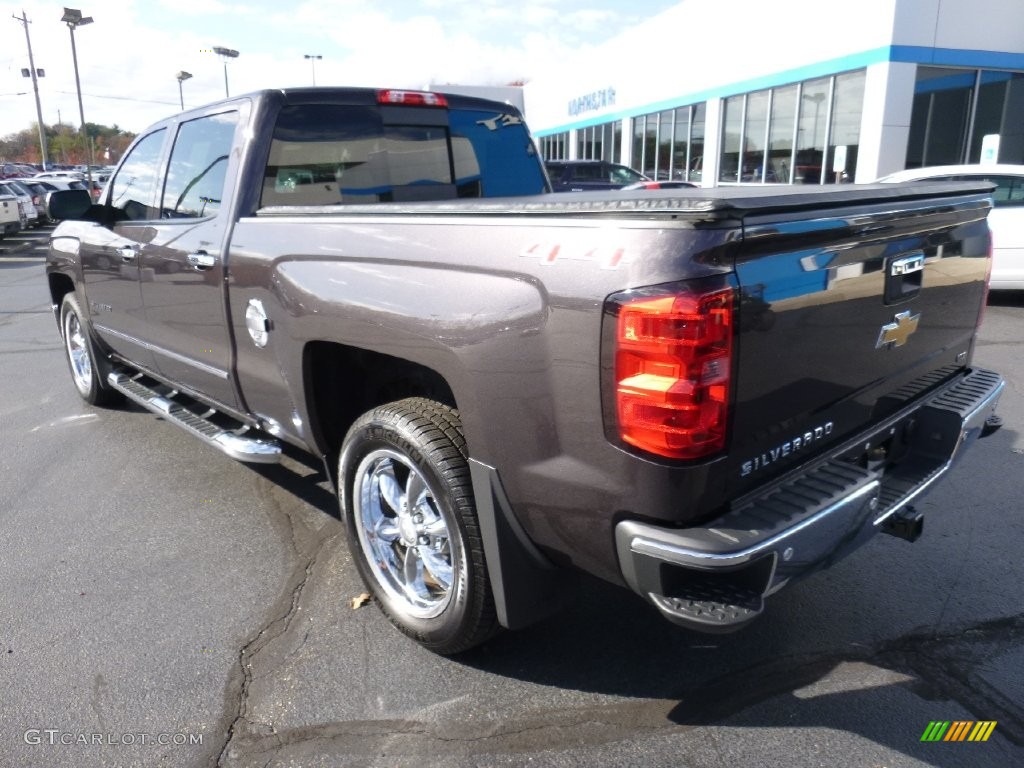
(591, 102)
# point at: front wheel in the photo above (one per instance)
(412, 527)
(87, 369)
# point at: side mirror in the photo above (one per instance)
(68, 204)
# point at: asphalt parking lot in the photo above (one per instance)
(165, 605)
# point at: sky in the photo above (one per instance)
(129, 56)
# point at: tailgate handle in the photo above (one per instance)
(904, 277)
(201, 260)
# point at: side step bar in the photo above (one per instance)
(233, 440)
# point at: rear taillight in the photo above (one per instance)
(412, 98)
(673, 367)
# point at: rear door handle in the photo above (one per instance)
(128, 253)
(201, 261)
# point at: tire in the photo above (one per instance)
(406, 497)
(88, 370)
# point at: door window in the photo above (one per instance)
(198, 167)
(134, 190)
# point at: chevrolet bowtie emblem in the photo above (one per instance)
(896, 333)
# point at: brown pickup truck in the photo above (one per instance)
(702, 394)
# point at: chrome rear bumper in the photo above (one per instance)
(716, 577)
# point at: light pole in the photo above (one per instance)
(313, 59)
(73, 18)
(34, 73)
(182, 77)
(225, 53)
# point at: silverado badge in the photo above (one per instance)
(896, 333)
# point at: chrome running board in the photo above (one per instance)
(234, 439)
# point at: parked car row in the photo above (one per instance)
(27, 198)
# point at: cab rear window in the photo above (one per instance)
(330, 154)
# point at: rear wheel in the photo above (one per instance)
(88, 371)
(412, 525)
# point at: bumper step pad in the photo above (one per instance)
(708, 602)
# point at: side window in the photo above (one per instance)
(325, 154)
(134, 190)
(620, 174)
(198, 167)
(1009, 190)
(588, 173)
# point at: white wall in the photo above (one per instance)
(701, 50)
(885, 122)
(697, 48)
(982, 25)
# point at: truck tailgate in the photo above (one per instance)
(848, 315)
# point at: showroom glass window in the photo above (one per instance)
(669, 144)
(732, 138)
(754, 134)
(844, 131)
(804, 133)
(955, 109)
(780, 134)
(588, 144)
(940, 118)
(663, 163)
(812, 126)
(637, 145)
(696, 161)
(680, 143)
(599, 142)
(1000, 111)
(555, 146)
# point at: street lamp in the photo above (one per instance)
(313, 59)
(225, 53)
(182, 77)
(34, 74)
(73, 18)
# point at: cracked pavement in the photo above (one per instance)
(152, 585)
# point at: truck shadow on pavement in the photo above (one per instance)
(836, 653)
(859, 649)
(885, 692)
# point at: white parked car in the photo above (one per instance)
(1006, 219)
(10, 214)
(24, 195)
(59, 176)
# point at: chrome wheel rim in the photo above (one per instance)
(78, 353)
(404, 533)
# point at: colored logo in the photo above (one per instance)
(896, 333)
(958, 730)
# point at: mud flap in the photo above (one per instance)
(527, 586)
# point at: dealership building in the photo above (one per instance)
(794, 91)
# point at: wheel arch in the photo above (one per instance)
(60, 285)
(343, 382)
